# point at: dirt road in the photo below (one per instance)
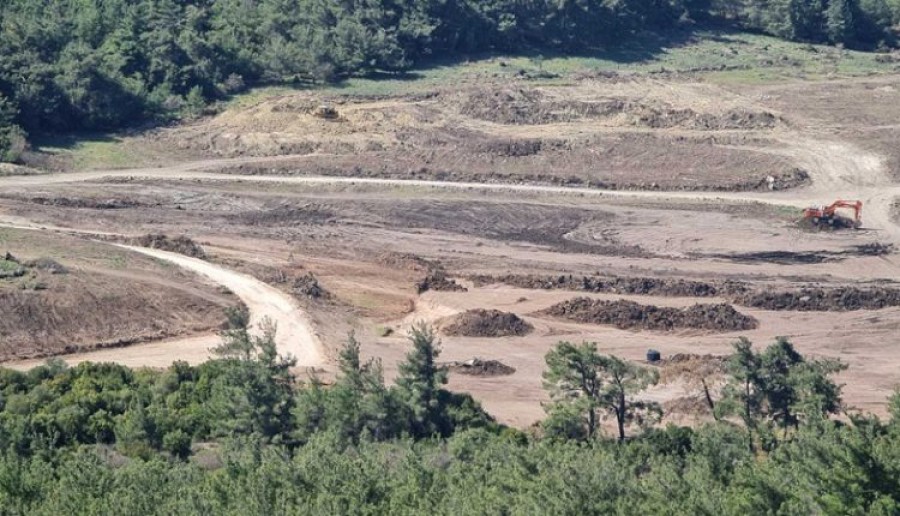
(295, 335)
(838, 170)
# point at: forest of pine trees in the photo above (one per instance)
(74, 65)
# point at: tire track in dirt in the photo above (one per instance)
(838, 170)
(294, 335)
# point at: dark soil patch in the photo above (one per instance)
(781, 257)
(307, 286)
(836, 299)
(478, 367)
(486, 323)
(94, 204)
(48, 265)
(519, 106)
(407, 261)
(180, 244)
(627, 315)
(674, 287)
(809, 257)
(308, 214)
(438, 280)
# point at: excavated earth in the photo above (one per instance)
(628, 315)
(418, 207)
(486, 323)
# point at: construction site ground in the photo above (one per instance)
(330, 225)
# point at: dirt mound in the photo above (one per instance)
(437, 280)
(180, 244)
(48, 265)
(407, 261)
(836, 299)
(83, 202)
(486, 323)
(675, 287)
(520, 106)
(630, 315)
(478, 367)
(307, 286)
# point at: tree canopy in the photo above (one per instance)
(76, 65)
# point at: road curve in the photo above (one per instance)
(294, 335)
(839, 171)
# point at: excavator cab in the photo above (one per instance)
(829, 216)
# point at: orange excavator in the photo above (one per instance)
(828, 215)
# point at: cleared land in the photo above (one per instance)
(422, 202)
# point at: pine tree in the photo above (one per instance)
(419, 383)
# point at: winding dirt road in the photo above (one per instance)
(838, 169)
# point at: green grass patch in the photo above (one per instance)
(721, 56)
(91, 152)
(9, 266)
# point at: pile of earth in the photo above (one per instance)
(307, 286)
(520, 106)
(478, 367)
(180, 244)
(438, 280)
(82, 202)
(627, 315)
(837, 299)
(407, 261)
(675, 287)
(486, 323)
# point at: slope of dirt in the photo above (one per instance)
(627, 315)
(75, 295)
(91, 310)
(637, 135)
(486, 323)
(294, 337)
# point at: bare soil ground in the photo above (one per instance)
(415, 221)
(602, 133)
(88, 296)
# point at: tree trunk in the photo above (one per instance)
(620, 416)
(592, 422)
(709, 400)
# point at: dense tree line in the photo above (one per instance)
(71, 65)
(240, 435)
(863, 24)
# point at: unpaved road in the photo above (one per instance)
(294, 336)
(839, 171)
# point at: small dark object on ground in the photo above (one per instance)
(653, 356)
